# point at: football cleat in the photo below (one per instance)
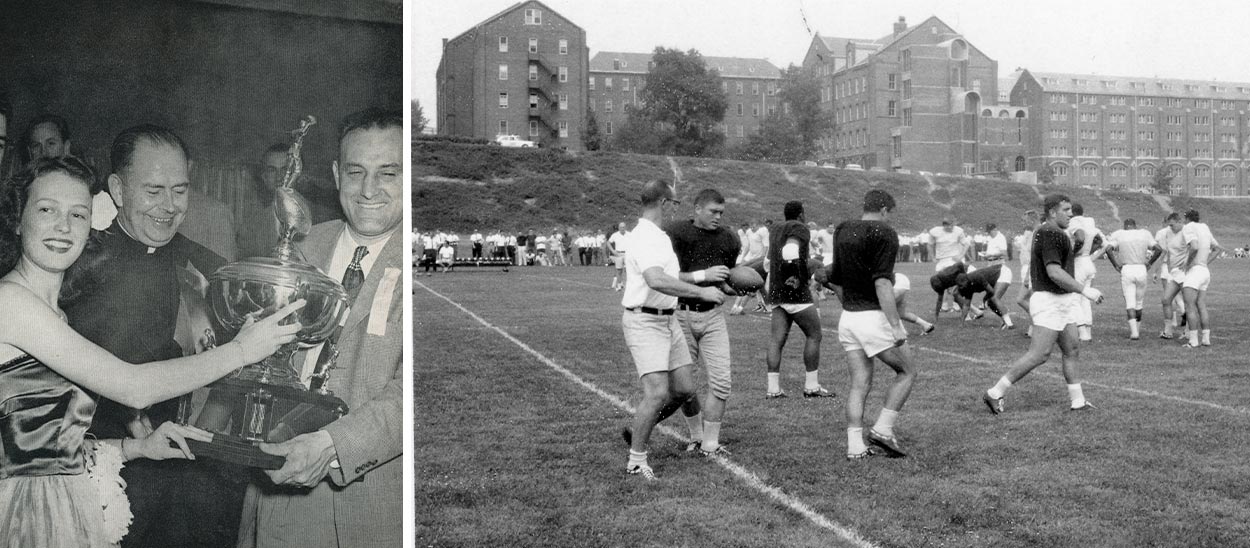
(1087, 407)
(720, 451)
(819, 392)
(641, 470)
(775, 395)
(995, 404)
(691, 447)
(888, 443)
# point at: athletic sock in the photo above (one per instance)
(1206, 337)
(774, 383)
(695, 424)
(711, 436)
(1193, 337)
(1076, 395)
(885, 422)
(923, 324)
(1132, 329)
(855, 441)
(812, 381)
(1000, 388)
(1085, 332)
(1007, 320)
(636, 458)
(1167, 328)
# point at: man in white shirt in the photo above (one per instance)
(1202, 249)
(618, 246)
(948, 245)
(754, 244)
(1086, 238)
(652, 331)
(1132, 251)
(476, 239)
(1172, 272)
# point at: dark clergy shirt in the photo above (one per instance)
(864, 252)
(132, 309)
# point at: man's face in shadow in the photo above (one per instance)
(272, 166)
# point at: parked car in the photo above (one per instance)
(829, 165)
(807, 163)
(513, 141)
(854, 167)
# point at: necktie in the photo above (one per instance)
(353, 278)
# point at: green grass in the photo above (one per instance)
(511, 453)
(463, 187)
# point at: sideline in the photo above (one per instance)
(746, 476)
(1002, 366)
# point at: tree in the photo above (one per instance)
(640, 134)
(590, 138)
(684, 101)
(800, 90)
(778, 141)
(419, 120)
(1162, 181)
(1046, 175)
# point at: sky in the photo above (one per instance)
(1201, 40)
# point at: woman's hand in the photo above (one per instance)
(260, 339)
(157, 445)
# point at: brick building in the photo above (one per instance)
(751, 86)
(522, 71)
(914, 99)
(1116, 132)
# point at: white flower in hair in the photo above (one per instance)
(103, 211)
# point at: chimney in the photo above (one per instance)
(900, 26)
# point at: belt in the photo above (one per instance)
(697, 307)
(652, 311)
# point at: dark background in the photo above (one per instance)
(229, 76)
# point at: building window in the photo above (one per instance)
(533, 45)
(607, 105)
(1147, 152)
(503, 72)
(1145, 136)
(503, 44)
(533, 17)
(907, 117)
(1145, 101)
(890, 107)
(1089, 116)
(1173, 119)
(1173, 136)
(1202, 190)
(1228, 105)
(592, 83)
(772, 88)
(739, 109)
(1146, 170)
(1228, 172)
(1089, 134)
(1119, 170)
(1228, 190)
(533, 100)
(592, 104)
(1089, 151)
(1172, 102)
(755, 111)
(1202, 171)
(564, 74)
(891, 82)
(564, 129)
(1089, 99)
(1089, 170)
(624, 84)
(533, 73)
(608, 128)
(1202, 120)
(1145, 118)
(564, 47)
(1202, 103)
(503, 127)
(1202, 137)
(564, 101)
(1061, 170)
(503, 100)
(739, 87)
(907, 89)
(1058, 134)
(533, 128)
(755, 88)
(607, 83)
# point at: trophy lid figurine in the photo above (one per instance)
(266, 401)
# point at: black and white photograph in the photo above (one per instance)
(660, 250)
(201, 271)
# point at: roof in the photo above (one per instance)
(834, 44)
(729, 67)
(510, 9)
(1064, 82)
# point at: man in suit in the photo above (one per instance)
(341, 486)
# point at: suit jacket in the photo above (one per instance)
(359, 504)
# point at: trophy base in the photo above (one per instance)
(234, 450)
(242, 413)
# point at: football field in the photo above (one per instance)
(523, 383)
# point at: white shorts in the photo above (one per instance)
(656, 342)
(1197, 277)
(1005, 276)
(793, 309)
(943, 263)
(618, 261)
(902, 284)
(1083, 269)
(867, 330)
(1054, 311)
(1133, 282)
(1177, 275)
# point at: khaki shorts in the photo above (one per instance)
(618, 261)
(656, 342)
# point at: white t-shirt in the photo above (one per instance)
(948, 245)
(1081, 222)
(1198, 238)
(1173, 243)
(826, 245)
(1132, 245)
(619, 241)
(996, 247)
(650, 248)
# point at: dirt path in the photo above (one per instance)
(933, 188)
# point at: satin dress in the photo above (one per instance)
(47, 498)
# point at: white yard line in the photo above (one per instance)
(746, 476)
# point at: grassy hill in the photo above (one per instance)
(460, 187)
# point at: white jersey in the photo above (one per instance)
(1173, 244)
(1081, 222)
(996, 247)
(1198, 238)
(619, 241)
(948, 245)
(1132, 245)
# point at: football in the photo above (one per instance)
(745, 279)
